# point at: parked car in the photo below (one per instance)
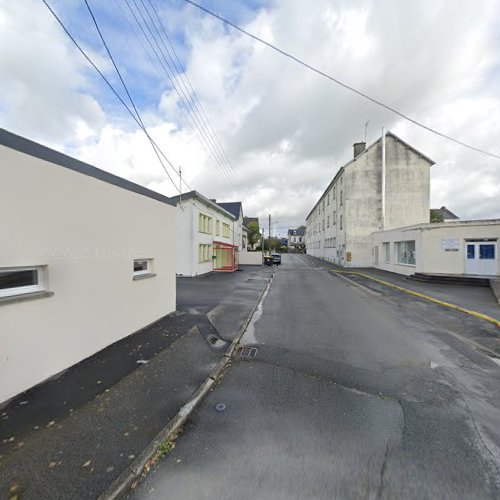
(276, 258)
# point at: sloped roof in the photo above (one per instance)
(233, 207)
(445, 213)
(373, 144)
(209, 203)
(300, 231)
(31, 148)
(249, 220)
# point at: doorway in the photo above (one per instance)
(481, 258)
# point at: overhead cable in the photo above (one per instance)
(342, 84)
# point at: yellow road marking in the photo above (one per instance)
(476, 314)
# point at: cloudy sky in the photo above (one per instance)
(264, 129)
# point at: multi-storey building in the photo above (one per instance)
(208, 236)
(384, 186)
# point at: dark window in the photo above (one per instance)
(140, 265)
(470, 251)
(16, 279)
(487, 251)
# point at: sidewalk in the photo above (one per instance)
(73, 436)
(477, 298)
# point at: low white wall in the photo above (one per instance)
(430, 254)
(87, 232)
(250, 258)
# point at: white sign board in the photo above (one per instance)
(450, 245)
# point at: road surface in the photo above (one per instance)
(348, 395)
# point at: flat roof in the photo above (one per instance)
(439, 225)
(31, 148)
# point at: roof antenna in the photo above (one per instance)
(180, 184)
(366, 129)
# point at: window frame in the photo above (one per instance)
(23, 290)
(398, 252)
(143, 272)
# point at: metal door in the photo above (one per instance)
(481, 258)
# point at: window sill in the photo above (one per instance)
(405, 265)
(22, 297)
(144, 276)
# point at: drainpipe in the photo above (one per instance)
(383, 178)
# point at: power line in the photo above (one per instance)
(342, 84)
(126, 90)
(91, 62)
(170, 73)
(196, 101)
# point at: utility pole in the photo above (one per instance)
(180, 184)
(269, 235)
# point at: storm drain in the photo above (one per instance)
(247, 352)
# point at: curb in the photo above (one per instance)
(122, 484)
(470, 312)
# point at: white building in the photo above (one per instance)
(384, 186)
(208, 237)
(297, 238)
(86, 259)
(451, 248)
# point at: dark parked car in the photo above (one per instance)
(276, 258)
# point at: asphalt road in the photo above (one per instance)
(349, 395)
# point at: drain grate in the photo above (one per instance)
(247, 352)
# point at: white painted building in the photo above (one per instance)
(451, 248)
(87, 258)
(208, 237)
(297, 238)
(384, 186)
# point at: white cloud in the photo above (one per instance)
(285, 129)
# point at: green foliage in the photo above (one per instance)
(436, 216)
(254, 235)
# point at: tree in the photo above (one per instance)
(254, 235)
(436, 216)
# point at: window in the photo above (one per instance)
(204, 224)
(328, 221)
(341, 197)
(319, 209)
(470, 251)
(487, 251)
(323, 225)
(323, 205)
(143, 267)
(204, 252)
(340, 222)
(386, 247)
(334, 218)
(217, 227)
(333, 192)
(328, 199)
(405, 251)
(20, 280)
(226, 230)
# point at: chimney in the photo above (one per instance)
(359, 147)
(213, 199)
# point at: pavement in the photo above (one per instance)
(477, 298)
(72, 436)
(349, 393)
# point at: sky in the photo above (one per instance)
(245, 123)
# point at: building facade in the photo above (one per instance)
(208, 237)
(384, 186)
(451, 248)
(296, 239)
(86, 259)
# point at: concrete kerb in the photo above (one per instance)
(442, 303)
(134, 472)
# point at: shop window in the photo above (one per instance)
(405, 251)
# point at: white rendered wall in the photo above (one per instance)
(431, 257)
(188, 237)
(88, 233)
(251, 258)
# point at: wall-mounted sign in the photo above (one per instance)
(450, 245)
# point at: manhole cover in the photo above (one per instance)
(247, 352)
